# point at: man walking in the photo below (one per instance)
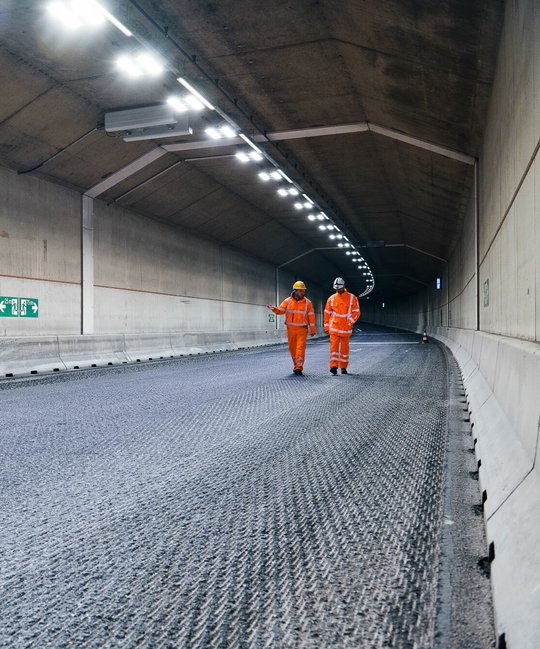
(341, 312)
(299, 316)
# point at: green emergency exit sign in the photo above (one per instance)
(28, 307)
(19, 307)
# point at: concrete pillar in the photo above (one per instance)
(87, 265)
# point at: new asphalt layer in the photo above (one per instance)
(221, 502)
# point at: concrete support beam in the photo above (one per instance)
(87, 265)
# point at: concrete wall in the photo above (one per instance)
(500, 361)
(509, 198)
(40, 253)
(148, 277)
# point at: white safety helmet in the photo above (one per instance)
(339, 282)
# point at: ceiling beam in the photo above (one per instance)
(278, 136)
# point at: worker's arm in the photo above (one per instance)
(311, 320)
(327, 314)
(279, 310)
(355, 312)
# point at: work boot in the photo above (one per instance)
(298, 372)
(333, 370)
(344, 370)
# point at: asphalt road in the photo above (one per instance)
(221, 502)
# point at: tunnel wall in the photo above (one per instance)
(500, 361)
(148, 277)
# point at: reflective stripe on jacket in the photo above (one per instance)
(341, 312)
(298, 313)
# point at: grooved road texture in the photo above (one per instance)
(220, 502)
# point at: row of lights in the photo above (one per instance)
(90, 13)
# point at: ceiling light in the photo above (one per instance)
(213, 133)
(264, 176)
(308, 199)
(129, 66)
(298, 206)
(194, 103)
(308, 205)
(243, 157)
(227, 131)
(254, 155)
(195, 93)
(282, 191)
(323, 215)
(275, 175)
(340, 245)
(323, 227)
(150, 64)
(348, 253)
(293, 191)
(311, 217)
(320, 217)
(332, 236)
(339, 236)
(88, 13)
(178, 105)
(250, 143)
(347, 244)
(284, 175)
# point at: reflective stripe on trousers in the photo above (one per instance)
(339, 350)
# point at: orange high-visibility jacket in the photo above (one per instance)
(341, 312)
(298, 313)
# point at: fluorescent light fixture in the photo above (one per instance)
(340, 245)
(195, 93)
(65, 14)
(332, 236)
(254, 155)
(347, 244)
(113, 20)
(78, 13)
(320, 217)
(243, 157)
(323, 215)
(275, 175)
(178, 105)
(282, 191)
(250, 143)
(322, 227)
(284, 175)
(213, 133)
(348, 252)
(308, 205)
(264, 176)
(339, 236)
(308, 199)
(150, 64)
(311, 217)
(128, 65)
(293, 191)
(194, 103)
(298, 206)
(227, 131)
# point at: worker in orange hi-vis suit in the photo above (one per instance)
(299, 317)
(341, 312)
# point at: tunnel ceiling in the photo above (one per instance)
(423, 69)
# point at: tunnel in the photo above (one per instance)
(270, 324)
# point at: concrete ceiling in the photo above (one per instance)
(420, 67)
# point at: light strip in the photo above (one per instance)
(250, 143)
(284, 175)
(112, 19)
(194, 92)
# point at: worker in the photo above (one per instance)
(341, 312)
(299, 317)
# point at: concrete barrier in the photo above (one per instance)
(502, 382)
(29, 355)
(147, 347)
(87, 351)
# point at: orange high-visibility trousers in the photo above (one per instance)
(339, 351)
(297, 337)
